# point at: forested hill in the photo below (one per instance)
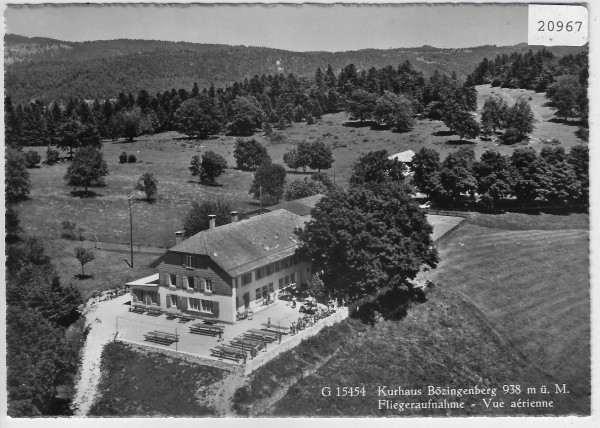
(48, 69)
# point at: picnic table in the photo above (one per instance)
(227, 352)
(246, 344)
(137, 309)
(185, 318)
(153, 312)
(161, 337)
(263, 335)
(208, 330)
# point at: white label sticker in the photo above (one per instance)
(557, 25)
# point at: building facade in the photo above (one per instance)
(227, 269)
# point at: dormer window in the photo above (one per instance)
(189, 261)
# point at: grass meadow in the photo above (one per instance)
(136, 383)
(168, 156)
(510, 306)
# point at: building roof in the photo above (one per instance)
(151, 281)
(405, 157)
(247, 244)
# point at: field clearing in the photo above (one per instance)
(108, 270)
(168, 157)
(533, 287)
(510, 306)
(151, 384)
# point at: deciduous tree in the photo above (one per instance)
(426, 168)
(147, 184)
(87, 169)
(268, 184)
(84, 256)
(302, 188)
(196, 219)
(368, 238)
(250, 154)
(376, 167)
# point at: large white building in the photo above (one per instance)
(228, 269)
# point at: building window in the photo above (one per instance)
(189, 261)
(190, 282)
(293, 277)
(287, 280)
(259, 273)
(270, 287)
(207, 306)
(208, 285)
(258, 294)
(145, 297)
(285, 263)
(174, 300)
(194, 304)
(277, 266)
(280, 283)
(246, 278)
(269, 269)
(173, 280)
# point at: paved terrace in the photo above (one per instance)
(133, 326)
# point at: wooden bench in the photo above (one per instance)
(171, 315)
(227, 352)
(154, 312)
(161, 337)
(137, 309)
(260, 337)
(246, 345)
(271, 334)
(185, 318)
(207, 330)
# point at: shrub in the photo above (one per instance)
(51, 156)
(131, 159)
(123, 158)
(32, 159)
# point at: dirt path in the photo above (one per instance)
(100, 316)
(222, 394)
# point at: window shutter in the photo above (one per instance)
(161, 278)
(215, 306)
(197, 283)
(158, 298)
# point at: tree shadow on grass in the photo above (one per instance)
(82, 277)
(380, 127)
(460, 143)
(148, 201)
(360, 124)
(205, 183)
(566, 122)
(391, 305)
(291, 171)
(444, 133)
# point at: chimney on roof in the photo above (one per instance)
(234, 216)
(178, 237)
(212, 221)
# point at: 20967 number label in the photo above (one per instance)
(569, 26)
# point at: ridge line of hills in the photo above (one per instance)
(50, 69)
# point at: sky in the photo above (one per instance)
(298, 28)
